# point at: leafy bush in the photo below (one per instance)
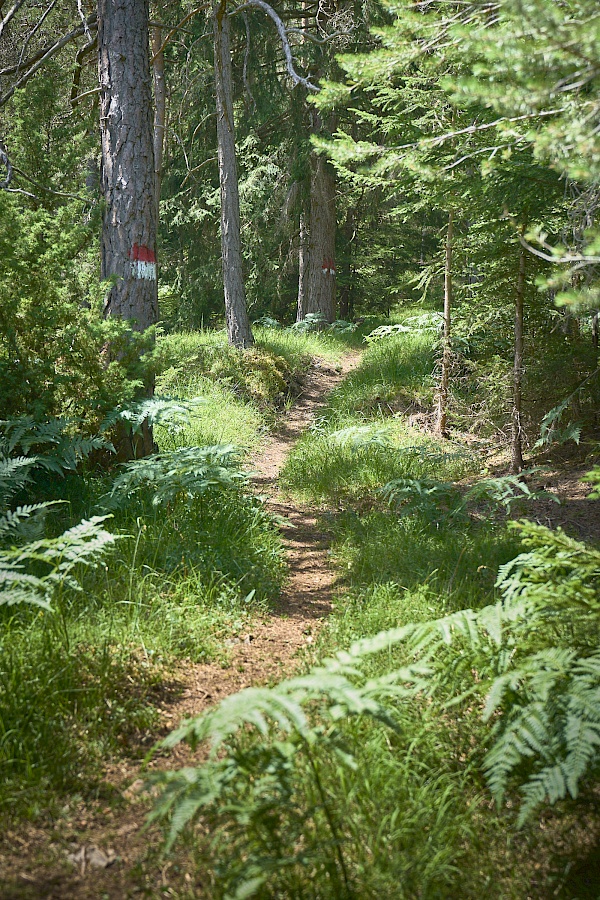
(53, 337)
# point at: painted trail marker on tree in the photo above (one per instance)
(328, 266)
(143, 262)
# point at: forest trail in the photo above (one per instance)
(91, 855)
(271, 649)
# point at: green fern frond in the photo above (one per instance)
(548, 785)
(83, 545)
(66, 450)
(15, 472)
(505, 491)
(171, 413)
(188, 472)
(24, 523)
(358, 437)
(536, 658)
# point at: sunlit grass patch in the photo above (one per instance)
(363, 438)
(221, 418)
(358, 460)
(298, 347)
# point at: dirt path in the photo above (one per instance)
(34, 862)
(271, 649)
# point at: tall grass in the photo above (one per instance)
(240, 390)
(76, 683)
(362, 439)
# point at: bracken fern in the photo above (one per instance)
(537, 665)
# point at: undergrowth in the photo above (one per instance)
(195, 557)
(241, 391)
(179, 557)
(371, 776)
(363, 439)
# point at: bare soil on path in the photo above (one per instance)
(98, 852)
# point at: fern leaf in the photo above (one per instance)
(548, 785)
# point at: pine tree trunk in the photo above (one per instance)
(302, 268)
(127, 179)
(442, 413)
(160, 111)
(321, 269)
(517, 428)
(238, 325)
(128, 244)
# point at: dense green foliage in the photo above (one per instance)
(135, 567)
(443, 739)
(194, 556)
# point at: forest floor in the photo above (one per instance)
(99, 848)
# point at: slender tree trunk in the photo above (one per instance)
(344, 311)
(236, 313)
(346, 270)
(303, 256)
(442, 412)
(321, 269)
(517, 427)
(160, 111)
(595, 330)
(128, 244)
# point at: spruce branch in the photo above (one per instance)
(42, 57)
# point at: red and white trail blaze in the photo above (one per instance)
(328, 266)
(143, 262)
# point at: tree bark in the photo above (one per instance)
(442, 412)
(236, 313)
(160, 111)
(128, 244)
(303, 256)
(127, 177)
(321, 270)
(517, 427)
